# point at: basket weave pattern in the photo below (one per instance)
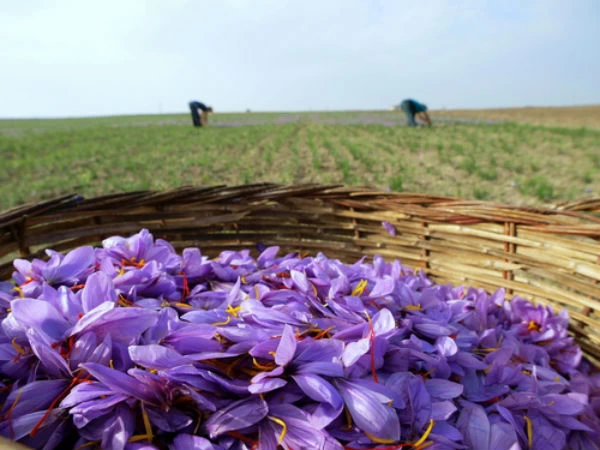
(549, 256)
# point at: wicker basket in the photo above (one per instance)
(549, 256)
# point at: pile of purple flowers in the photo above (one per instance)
(133, 346)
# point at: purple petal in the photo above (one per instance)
(120, 382)
(41, 316)
(442, 410)
(98, 289)
(157, 357)
(318, 389)
(446, 346)
(443, 389)
(34, 396)
(475, 426)
(391, 229)
(237, 415)
(123, 324)
(371, 416)
(287, 346)
(49, 357)
(190, 442)
(354, 350)
(119, 428)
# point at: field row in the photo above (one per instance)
(502, 162)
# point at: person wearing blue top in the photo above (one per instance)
(199, 119)
(413, 109)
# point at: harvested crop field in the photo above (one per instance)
(478, 155)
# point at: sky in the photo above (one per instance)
(73, 58)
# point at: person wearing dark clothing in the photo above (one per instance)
(413, 109)
(199, 119)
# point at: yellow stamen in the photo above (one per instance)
(183, 305)
(324, 332)
(17, 347)
(153, 371)
(219, 324)
(138, 437)
(256, 292)
(314, 289)
(529, 431)
(147, 425)
(360, 288)
(8, 310)
(243, 279)
(379, 441)
(111, 364)
(89, 444)
(273, 354)
(278, 421)
(233, 311)
(426, 434)
(197, 427)
(557, 378)
(260, 366)
(533, 326)
(121, 272)
(416, 307)
(19, 290)
(348, 419)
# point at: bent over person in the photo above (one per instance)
(413, 109)
(199, 119)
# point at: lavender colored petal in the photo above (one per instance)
(157, 357)
(368, 413)
(49, 358)
(34, 396)
(318, 389)
(266, 385)
(237, 415)
(354, 350)
(41, 316)
(72, 266)
(442, 410)
(123, 324)
(545, 435)
(443, 389)
(121, 383)
(98, 289)
(474, 424)
(87, 349)
(185, 441)
(85, 392)
(446, 346)
(119, 428)
(87, 413)
(287, 346)
(169, 421)
(21, 426)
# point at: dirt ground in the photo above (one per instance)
(569, 116)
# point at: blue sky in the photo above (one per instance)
(82, 58)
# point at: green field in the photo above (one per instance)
(501, 161)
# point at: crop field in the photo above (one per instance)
(487, 157)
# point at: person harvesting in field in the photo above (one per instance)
(413, 109)
(200, 119)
